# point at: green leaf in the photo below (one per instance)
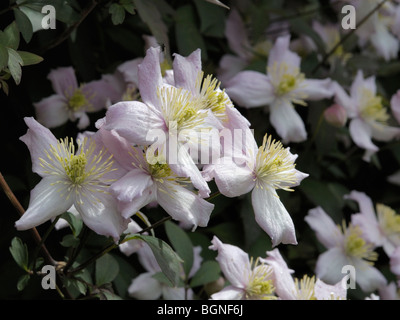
(212, 19)
(23, 281)
(24, 25)
(69, 240)
(149, 13)
(167, 258)
(209, 271)
(180, 241)
(117, 13)
(14, 65)
(19, 251)
(10, 37)
(107, 269)
(74, 222)
(188, 37)
(29, 58)
(3, 57)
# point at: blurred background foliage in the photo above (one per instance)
(96, 36)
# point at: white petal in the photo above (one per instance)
(45, 203)
(315, 89)
(383, 132)
(131, 185)
(325, 291)
(272, 216)
(368, 277)
(145, 287)
(228, 293)
(329, 265)
(187, 69)
(52, 111)
(361, 134)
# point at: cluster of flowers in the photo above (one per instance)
(169, 130)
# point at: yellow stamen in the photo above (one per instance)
(371, 107)
(305, 288)
(77, 101)
(260, 284)
(388, 219)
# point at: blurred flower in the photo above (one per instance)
(249, 279)
(307, 288)
(367, 114)
(73, 102)
(80, 178)
(283, 86)
(336, 115)
(382, 228)
(346, 246)
(146, 287)
(262, 170)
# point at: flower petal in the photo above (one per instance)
(131, 185)
(129, 70)
(145, 287)
(287, 122)
(368, 277)
(236, 34)
(272, 216)
(325, 291)
(52, 111)
(361, 134)
(234, 263)
(280, 53)
(45, 203)
(186, 70)
(315, 89)
(228, 293)
(38, 139)
(63, 80)
(329, 265)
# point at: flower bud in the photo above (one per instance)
(336, 115)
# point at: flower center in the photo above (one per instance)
(160, 170)
(274, 165)
(77, 101)
(305, 288)
(356, 246)
(388, 219)
(372, 107)
(260, 284)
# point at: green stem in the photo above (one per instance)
(75, 252)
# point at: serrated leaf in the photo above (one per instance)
(14, 65)
(24, 25)
(29, 58)
(181, 243)
(19, 252)
(23, 281)
(209, 271)
(107, 269)
(167, 259)
(117, 13)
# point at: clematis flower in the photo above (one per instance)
(79, 178)
(368, 117)
(249, 279)
(145, 183)
(146, 287)
(345, 246)
(131, 246)
(170, 120)
(261, 170)
(71, 101)
(381, 228)
(283, 86)
(306, 288)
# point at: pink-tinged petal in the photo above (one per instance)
(250, 89)
(148, 260)
(134, 121)
(229, 66)
(361, 134)
(384, 42)
(187, 70)
(185, 167)
(236, 34)
(234, 263)
(315, 89)
(99, 212)
(145, 287)
(325, 291)
(38, 139)
(395, 262)
(228, 293)
(282, 275)
(197, 261)
(280, 53)
(129, 70)
(381, 132)
(359, 83)
(336, 115)
(131, 185)
(324, 227)
(183, 205)
(131, 246)
(329, 265)
(395, 104)
(232, 180)
(364, 203)
(343, 99)
(52, 111)
(83, 120)
(63, 80)
(388, 292)
(370, 228)
(394, 178)
(235, 119)
(149, 75)
(100, 94)
(272, 216)
(45, 202)
(287, 122)
(129, 208)
(368, 277)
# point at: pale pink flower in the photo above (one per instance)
(345, 246)
(248, 279)
(72, 101)
(380, 226)
(78, 178)
(367, 114)
(283, 86)
(336, 115)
